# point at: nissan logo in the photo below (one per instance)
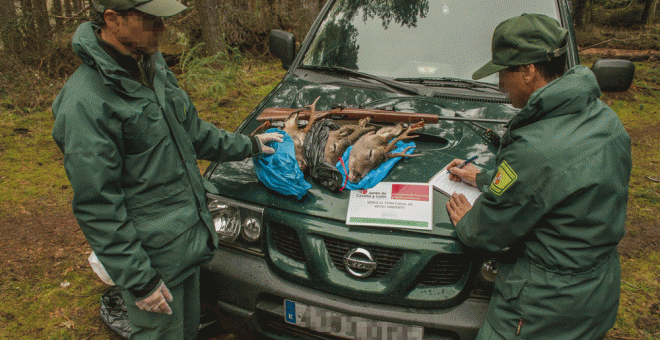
(359, 262)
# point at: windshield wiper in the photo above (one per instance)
(449, 82)
(399, 86)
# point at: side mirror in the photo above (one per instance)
(283, 45)
(614, 75)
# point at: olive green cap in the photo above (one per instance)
(524, 40)
(158, 8)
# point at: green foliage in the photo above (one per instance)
(24, 88)
(617, 4)
(211, 75)
(628, 17)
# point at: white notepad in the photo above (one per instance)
(448, 187)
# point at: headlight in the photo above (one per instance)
(237, 223)
(483, 284)
(251, 229)
(227, 221)
(489, 270)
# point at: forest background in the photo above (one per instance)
(218, 50)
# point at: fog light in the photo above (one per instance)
(226, 220)
(251, 229)
(489, 270)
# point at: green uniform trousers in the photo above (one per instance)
(179, 263)
(486, 332)
(183, 323)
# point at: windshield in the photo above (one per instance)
(415, 38)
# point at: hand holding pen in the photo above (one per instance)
(461, 170)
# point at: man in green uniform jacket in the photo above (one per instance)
(558, 197)
(131, 139)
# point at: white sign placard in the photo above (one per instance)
(391, 204)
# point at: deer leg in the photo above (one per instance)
(402, 153)
(260, 128)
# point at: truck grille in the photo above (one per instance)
(444, 269)
(286, 241)
(385, 257)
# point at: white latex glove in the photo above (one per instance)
(157, 301)
(268, 137)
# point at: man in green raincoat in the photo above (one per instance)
(131, 139)
(558, 197)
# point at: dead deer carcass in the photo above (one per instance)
(339, 140)
(297, 134)
(374, 148)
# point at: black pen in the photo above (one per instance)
(460, 166)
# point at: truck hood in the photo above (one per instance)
(438, 144)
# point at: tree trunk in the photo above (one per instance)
(212, 32)
(67, 8)
(648, 15)
(581, 12)
(29, 30)
(9, 28)
(77, 6)
(56, 11)
(42, 22)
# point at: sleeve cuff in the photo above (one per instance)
(256, 145)
(483, 178)
(147, 289)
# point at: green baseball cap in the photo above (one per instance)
(158, 8)
(524, 40)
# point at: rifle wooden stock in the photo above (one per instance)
(383, 116)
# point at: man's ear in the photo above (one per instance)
(533, 77)
(529, 72)
(111, 18)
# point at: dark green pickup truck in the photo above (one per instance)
(293, 269)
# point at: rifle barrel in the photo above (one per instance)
(472, 120)
(271, 114)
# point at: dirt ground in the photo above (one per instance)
(46, 237)
(646, 239)
(41, 239)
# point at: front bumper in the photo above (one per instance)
(249, 299)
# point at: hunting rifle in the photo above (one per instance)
(488, 133)
(377, 116)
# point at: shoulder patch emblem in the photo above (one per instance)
(503, 179)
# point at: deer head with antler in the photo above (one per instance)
(297, 134)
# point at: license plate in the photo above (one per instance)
(346, 326)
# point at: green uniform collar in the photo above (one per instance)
(134, 67)
(562, 96)
(117, 72)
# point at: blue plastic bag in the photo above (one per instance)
(374, 176)
(280, 171)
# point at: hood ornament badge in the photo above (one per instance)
(359, 262)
